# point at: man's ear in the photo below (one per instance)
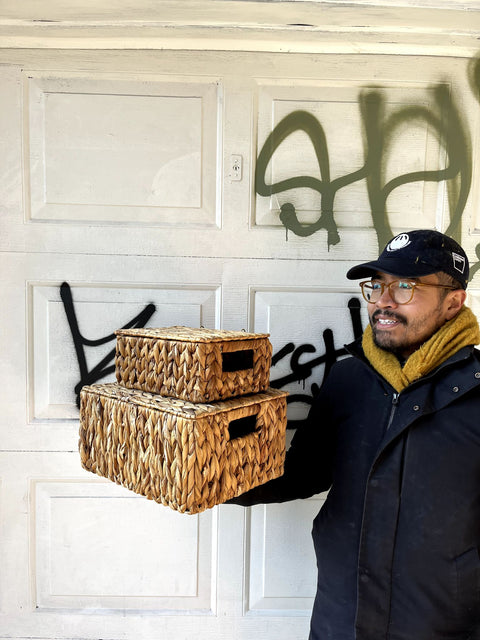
(454, 300)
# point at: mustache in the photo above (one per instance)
(386, 313)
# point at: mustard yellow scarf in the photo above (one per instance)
(460, 331)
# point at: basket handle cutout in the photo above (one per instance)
(241, 427)
(237, 360)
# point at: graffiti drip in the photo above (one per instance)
(301, 371)
(443, 120)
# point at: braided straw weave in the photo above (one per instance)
(187, 363)
(178, 453)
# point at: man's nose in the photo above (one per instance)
(386, 299)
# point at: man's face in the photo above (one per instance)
(402, 328)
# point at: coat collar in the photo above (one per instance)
(447, 383)
(355, 349)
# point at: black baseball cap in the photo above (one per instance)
(418, 253)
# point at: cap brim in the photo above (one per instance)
(392, 267)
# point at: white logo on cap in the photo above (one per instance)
(399, 242)
(458, 262)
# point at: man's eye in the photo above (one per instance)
(376, 285)
(404, 285)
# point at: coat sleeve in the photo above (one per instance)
(308, 462)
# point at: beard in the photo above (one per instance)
(384, 339)
(411, 332)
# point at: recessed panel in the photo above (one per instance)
(73, 339)
(351, 153)
(308, 331)
(100, 546)
(108, 150)
(142, 170)
(281, 567)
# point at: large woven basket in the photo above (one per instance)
(198, 365)
(187, 456)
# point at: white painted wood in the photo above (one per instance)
(276, 550)
(115, 177)
(336, 108)
(431, 27)
(317, 309)
(414, 147)
(68, 512)
(473, 299)
(100, 310)
(102, 548)
(105, 149)
(235, 294)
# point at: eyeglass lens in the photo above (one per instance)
(401, 292)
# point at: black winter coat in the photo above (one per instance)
(397, 540)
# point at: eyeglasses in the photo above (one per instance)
(400, 291)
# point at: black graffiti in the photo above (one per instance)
(443, 119)
(301, 371)
(102, 368)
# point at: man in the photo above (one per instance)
(395, 434)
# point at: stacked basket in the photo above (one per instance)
(191, 421)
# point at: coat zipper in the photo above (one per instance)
(393, 409)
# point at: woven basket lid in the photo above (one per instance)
(176, 406)
(190, 334)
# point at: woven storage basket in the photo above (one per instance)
(187, 456)
(198, 365)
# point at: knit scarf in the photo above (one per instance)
(460, 331)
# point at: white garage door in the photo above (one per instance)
(145, 188)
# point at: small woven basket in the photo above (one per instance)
(187, 456)
(197, 365)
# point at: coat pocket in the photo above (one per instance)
(467, 567)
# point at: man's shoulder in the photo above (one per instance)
(467, 356)
(350, 365)
(475, 354)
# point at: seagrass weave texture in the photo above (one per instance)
(198, 365)
(181, 454)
